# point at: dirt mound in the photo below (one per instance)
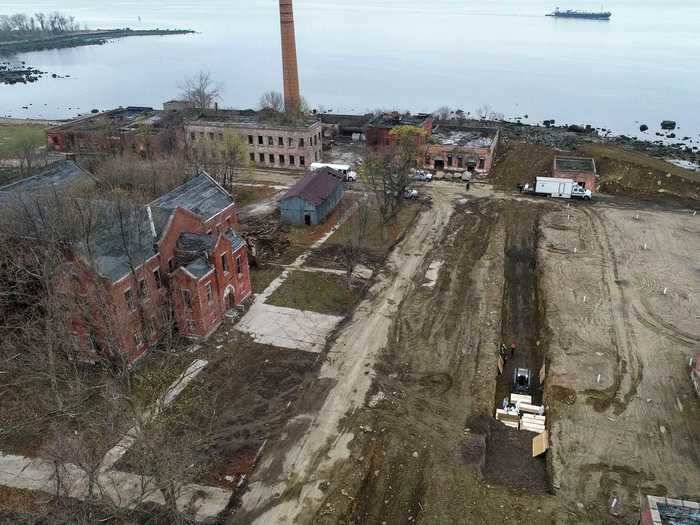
(517, 163)
(624, 172)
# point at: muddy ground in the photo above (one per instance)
(573, 285)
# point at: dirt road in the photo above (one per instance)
(287, 485)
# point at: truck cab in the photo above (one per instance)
(579, 192)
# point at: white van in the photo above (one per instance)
(344, 169)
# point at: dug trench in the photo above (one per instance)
(509, 451)
(427, 448)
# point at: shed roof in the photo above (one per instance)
(316, 186)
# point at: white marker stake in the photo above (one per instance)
(598, 379)
(665, 290)
(645, 246)
(575, 250)
(584, 298)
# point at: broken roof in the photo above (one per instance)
(465, 137)
(316, 186)
(392, 120)
(115, 118)
(200, 195)
(574, 164)
(252, 119)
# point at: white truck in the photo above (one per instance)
(560, 188)
(344, 169)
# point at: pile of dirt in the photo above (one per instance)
(518, 163)
(635, 174)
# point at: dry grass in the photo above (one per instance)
(325, 293)
(260, 278)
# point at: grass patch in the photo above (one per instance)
(325, 293)
(246, 195)
(260, 278)
(9, 134)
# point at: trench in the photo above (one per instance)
(509, 451)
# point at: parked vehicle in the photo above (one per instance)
(410, 193)
(521, 381)
(343, 169)
(559, 188)
(424, 176)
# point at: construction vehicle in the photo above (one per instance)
(521, 381)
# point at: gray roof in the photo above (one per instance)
(122, 239)
(198, 267)
(64, 175)
(236, 240)
(121, 235)
(392, 120)
(316, 186)
(195, 242)
(200, 195)
(248, 118)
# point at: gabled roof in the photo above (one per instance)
(122, 239)
(201, 195)
(64, 175)
(316, 186)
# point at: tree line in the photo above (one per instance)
(37, 24)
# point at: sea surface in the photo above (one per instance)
(640, 67)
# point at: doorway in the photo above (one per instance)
(307, 219)
(439, 164)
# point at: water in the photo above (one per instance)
(358, 55)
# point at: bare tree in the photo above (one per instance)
(200, 90)
(443, 113)
(390, 173)
(272, 101)
(354, 238)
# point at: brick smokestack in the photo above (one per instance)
(292, 98)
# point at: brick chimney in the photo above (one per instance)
(292, 98)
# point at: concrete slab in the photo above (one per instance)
(287, 327)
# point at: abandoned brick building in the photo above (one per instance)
(120, 130)
(580, 169)
(378, 132)
(456, 147)
(141, 270)
(273, 141)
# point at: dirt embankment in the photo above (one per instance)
(621, 172)
(420, 450)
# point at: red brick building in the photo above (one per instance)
(580, 169)
(460, 148)
(378, 134)
(141, 270)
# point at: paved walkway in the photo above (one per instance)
(124, 489)
(288, 327)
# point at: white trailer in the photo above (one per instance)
(561, 188)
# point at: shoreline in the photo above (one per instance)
(81, 38)
(559, 137)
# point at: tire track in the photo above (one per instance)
(629, 367)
